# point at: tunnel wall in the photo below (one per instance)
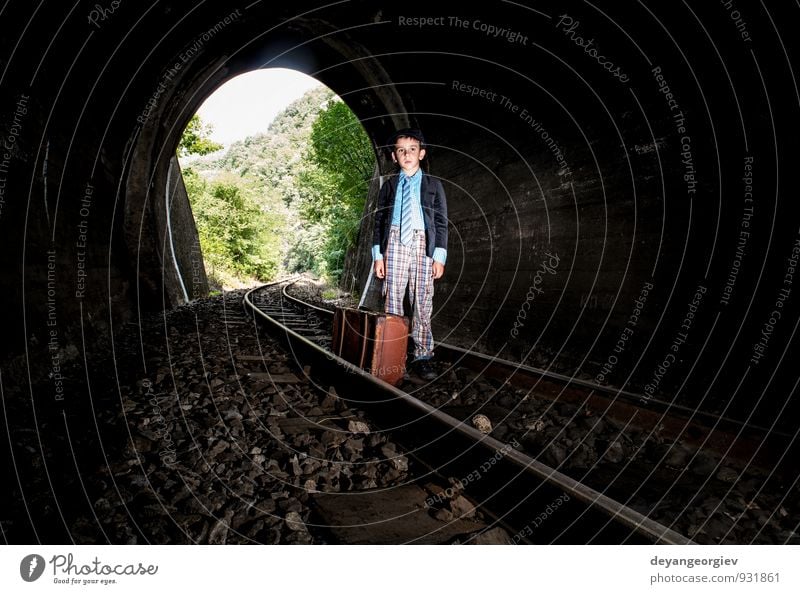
(618, 180)
(623, 223)
(187, 253)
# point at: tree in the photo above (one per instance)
(195, 139)
(290, 198)
(334, 185)
(340, 147)
(237, 236)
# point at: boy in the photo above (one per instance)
(411, 232)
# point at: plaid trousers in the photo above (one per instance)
(409, 266)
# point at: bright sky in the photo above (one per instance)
(246, 105)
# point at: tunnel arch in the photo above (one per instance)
(153, 173)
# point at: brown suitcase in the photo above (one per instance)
(375, 342)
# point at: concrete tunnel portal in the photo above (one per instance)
(597, 206)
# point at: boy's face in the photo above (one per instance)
(407, 153)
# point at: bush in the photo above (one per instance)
(236, 234)
(333, 186)
(288, 200)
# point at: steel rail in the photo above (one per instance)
(740, 441)
(326, 363)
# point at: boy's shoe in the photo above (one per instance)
(422, 368)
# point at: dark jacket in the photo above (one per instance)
(434, 212)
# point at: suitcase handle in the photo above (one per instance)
(340, 348)
(365, 333)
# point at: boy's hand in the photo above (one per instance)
(380, 269)
(438, 270)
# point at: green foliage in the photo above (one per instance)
(195, 139)
(289, 200)
(306, 244)
(236, 234)
(275, 158)
(341, 148)
(333, 188)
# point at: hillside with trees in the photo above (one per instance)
(289, 200)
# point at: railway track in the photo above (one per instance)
(532, 500)
(749, 444)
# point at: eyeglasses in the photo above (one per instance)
(412, 150)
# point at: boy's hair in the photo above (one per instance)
(406, 133)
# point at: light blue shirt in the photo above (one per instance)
(417, 220)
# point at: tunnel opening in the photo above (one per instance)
(284, 190)
(307, 177)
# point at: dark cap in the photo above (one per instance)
(407, 133)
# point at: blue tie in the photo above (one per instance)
(406, 231)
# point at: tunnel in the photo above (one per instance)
(620, 183)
